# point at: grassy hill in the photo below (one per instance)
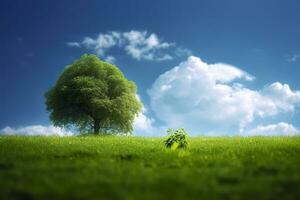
(142, 168)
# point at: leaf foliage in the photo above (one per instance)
(92, 94)
(176, 139)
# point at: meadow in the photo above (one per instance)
(111, 167)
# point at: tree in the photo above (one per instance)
(94, 96)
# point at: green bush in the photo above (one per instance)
(176, 139)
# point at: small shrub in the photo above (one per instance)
(176, 139)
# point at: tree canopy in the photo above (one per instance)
(94, 96)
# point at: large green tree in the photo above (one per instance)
(94, 96)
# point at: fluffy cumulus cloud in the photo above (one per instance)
(103, 42)
(140, 45)
(281, 128)
(210, 98)
(36, 130)
(143, 125)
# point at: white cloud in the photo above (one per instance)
(110, 59)
(140, 45)
(102, 43)
(36, 130)
(143, 125)
(183, 52)
(293, 58)
(281, 128)
(210, 98)
(73, 44)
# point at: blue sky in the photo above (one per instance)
(258, 39)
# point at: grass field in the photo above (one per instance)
(142, 168)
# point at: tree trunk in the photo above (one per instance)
(96, 127)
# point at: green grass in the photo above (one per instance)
(142, 168)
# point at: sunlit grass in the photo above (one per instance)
(142, 168)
